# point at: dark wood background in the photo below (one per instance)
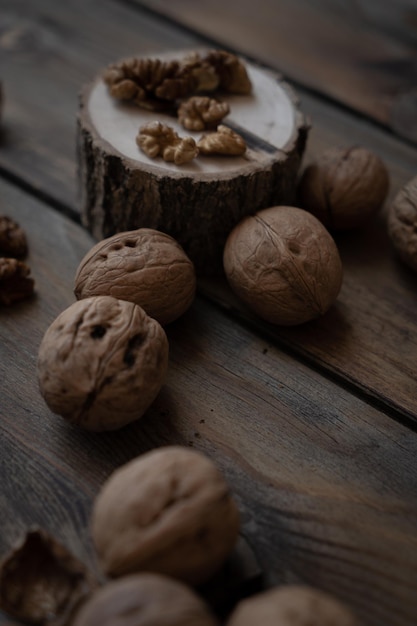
(315, 426)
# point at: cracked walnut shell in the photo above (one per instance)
(402, 223)
(102, 362)
(144, 266)
(291, 605)
(169, 511)
(145, 600)
(344, 187)
(284, 265)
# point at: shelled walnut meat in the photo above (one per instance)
(102, 362)
(284, 265)
(145, 600)
(169, 511)
(143, 266)
(201, 112)
(291, 605)
(402, 223)
(160, 140)
(343, 188)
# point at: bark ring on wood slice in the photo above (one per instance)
(197, 203)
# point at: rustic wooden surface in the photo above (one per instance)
(314, 427)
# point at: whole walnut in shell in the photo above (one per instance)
(168, 511)
(284, 265)
(344, 187)
(102, 362)
(145, 600)
(402, 223)
(144, 266)
(292, 605)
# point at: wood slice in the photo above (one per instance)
(200, 202)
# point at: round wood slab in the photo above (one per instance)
(200, 202)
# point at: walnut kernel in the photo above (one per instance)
(144, 266)
(102, 362)
(284, 265)
(232, 73)
(145, 600)
(200, 112)
(402, 223)
(15, 281)
(179, 518)
(291, 605)
(344, 187)
(13, 241)
(157, 139)
(224, 141)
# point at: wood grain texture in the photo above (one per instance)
(326, 485)
(338, 53)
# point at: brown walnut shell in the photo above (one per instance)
(344, 187)
(402, 223)
(144, 266)
(168, 511)
(292, 605)
(102, 362)
(284, 265)
(145, 600)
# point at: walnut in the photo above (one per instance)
(144, 266)
(291, 605)
(102, 362)
(231, 72)
(344, 187)
(402, 223)
(15, 282)
(145, 600)
(13, 241)
(179, 518)
(223, 141)
(284, 265)
(149, 83)
(41, 582)
(157, 139)
(205, 75)
(200, 112)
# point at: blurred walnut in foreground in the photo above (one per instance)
(284, 265)
(15, 281)
(402, 223)
(343, 188)
(13, 240)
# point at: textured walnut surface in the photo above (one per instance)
(15, 281)
(201, 112)
(344, 187)
(292, 605)
(169, 511)
(102, 362)
(41, 582)
(157, 139)
(284, 264)
(223, 141)
(402, 223)
(145, 600)
(144, 266)
(13, 241)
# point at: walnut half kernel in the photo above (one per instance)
(156, 139)
(102, 362)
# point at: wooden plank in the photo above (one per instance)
(369, 339)
(340, 54)
(326, 484)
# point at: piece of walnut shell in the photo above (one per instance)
(145, 600)
(13, 241)
(284, 265)
(169, 511)
(144, 266)
(224, 141)
(15, 281)
(41, 582)
(291, 605)
(102, 362)
(344, 188)
(402, 223)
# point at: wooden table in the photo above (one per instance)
(314, 426)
